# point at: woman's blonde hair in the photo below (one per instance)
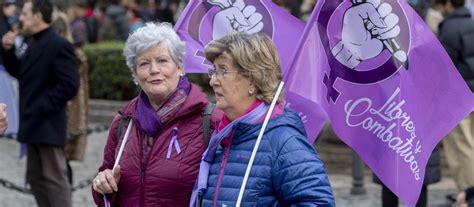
(256, 57)
(61, 25)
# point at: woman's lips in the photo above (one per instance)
(217, 94)
(156, 81)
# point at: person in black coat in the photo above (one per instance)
(456, 33)
(48, 78)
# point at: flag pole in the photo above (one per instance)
(122, 146)
(257, 144)
(117, 160)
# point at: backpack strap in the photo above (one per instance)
(206, 122)
(124, 120)
(206, 127)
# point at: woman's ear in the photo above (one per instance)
(134, 79)
(181, 71)
(252, 89)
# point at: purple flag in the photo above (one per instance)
(203, 21)
(389, 88)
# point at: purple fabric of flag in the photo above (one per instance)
(311, 113)
(203, 21)
(389, 88)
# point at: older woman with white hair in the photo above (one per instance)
(161, 157)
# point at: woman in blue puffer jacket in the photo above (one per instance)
(286, 170)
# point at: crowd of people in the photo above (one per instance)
(182, 149)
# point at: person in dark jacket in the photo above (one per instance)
(48, 78)
(117, 14)
(3, 118)
(287, 170)
(456, 33)
(160, 160)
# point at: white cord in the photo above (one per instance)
(257, 144)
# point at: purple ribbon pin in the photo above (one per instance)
(174, 142)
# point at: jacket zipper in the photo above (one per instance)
(144, 165)
(142, 171)
(222, 168)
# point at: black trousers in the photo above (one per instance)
(389, 199)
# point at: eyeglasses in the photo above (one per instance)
(219, 73)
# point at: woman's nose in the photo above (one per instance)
(213, 81)
(154, 68)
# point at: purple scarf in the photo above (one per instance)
(151, 121)
(208, 157)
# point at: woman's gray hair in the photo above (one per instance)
(149, 36)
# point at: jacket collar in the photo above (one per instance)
(36, 48)
(42, 33)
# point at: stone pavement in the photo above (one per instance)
(13, 170)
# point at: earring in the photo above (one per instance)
(250, 92)
(181, 75)
(135, 81)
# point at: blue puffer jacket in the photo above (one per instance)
(286, 171)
